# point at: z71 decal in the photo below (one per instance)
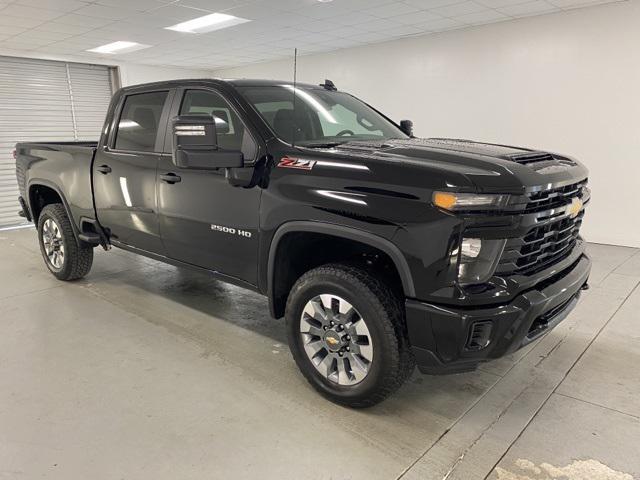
(300, 164)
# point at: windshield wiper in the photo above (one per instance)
(321, 145)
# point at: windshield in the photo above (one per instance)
(321, 118)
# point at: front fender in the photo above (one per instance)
(339, 231)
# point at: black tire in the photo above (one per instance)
(78, 257)
(383, 313)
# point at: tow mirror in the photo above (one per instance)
(195, 144)
(407, 127)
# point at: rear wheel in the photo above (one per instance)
(346, 334)
(65, 257)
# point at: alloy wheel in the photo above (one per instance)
(336, 339)
(53, 244)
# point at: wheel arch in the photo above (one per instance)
(47, 192)
(339, 232)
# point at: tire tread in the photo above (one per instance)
(80, 256)
(377, 293)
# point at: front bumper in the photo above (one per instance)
(452, 339)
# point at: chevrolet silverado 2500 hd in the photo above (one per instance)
(381, 250)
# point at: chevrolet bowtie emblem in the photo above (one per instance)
(332, 341)
(574, 208)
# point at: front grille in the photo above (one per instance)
(557, 197)
(541, 247)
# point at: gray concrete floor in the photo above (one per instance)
(145, 371)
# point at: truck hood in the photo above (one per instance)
(483, 166)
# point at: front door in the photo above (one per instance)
(124, 173)
(204, 220)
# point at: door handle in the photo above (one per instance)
(170, 178)
(104, 169)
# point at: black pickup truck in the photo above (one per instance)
(381, 250)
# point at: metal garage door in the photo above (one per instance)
(46, 100)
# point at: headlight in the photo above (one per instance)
(468, 201)
(478, 259)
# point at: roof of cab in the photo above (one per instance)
(244, 82)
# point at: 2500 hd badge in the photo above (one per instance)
(231, 231)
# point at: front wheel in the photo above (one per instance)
(65, 257)
(347, 336)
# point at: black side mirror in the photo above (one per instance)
(407, 127)
(195, 144)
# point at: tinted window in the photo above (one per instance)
(138, 126)
(232, 134)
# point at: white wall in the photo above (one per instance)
(567, 82)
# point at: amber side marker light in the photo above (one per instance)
(468, 201)
(444, 200)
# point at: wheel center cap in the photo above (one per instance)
(333, 341)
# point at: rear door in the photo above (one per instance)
(204, 220)
(124, 170)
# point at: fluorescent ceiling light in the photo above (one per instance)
(208, 23)
(119, 47)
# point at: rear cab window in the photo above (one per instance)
(137, 128)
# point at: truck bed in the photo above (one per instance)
(61, 167)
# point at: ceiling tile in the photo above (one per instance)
(254, 11)
(49, 36)
(178, 14)
(500, 3)
(19, 21)
(530, 8)
(459, 9)
(429, 4)
(353, 18)
(108, 13)
(378, 25)
(318, 26)
(359, 5)
(62, 6)
(322, 10)
(64, 28)
(568, 4)
(368, 37)
(439, 25)
(137, 5)
(26, 39)
(213, 5)
(392, 9)
(58, 49)
(402, 31)
(9, 30)
(83, 20)
(12, 45)
(343, 31)
(416, 17)
(481, 18)
(292, 20)
(23, 11)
